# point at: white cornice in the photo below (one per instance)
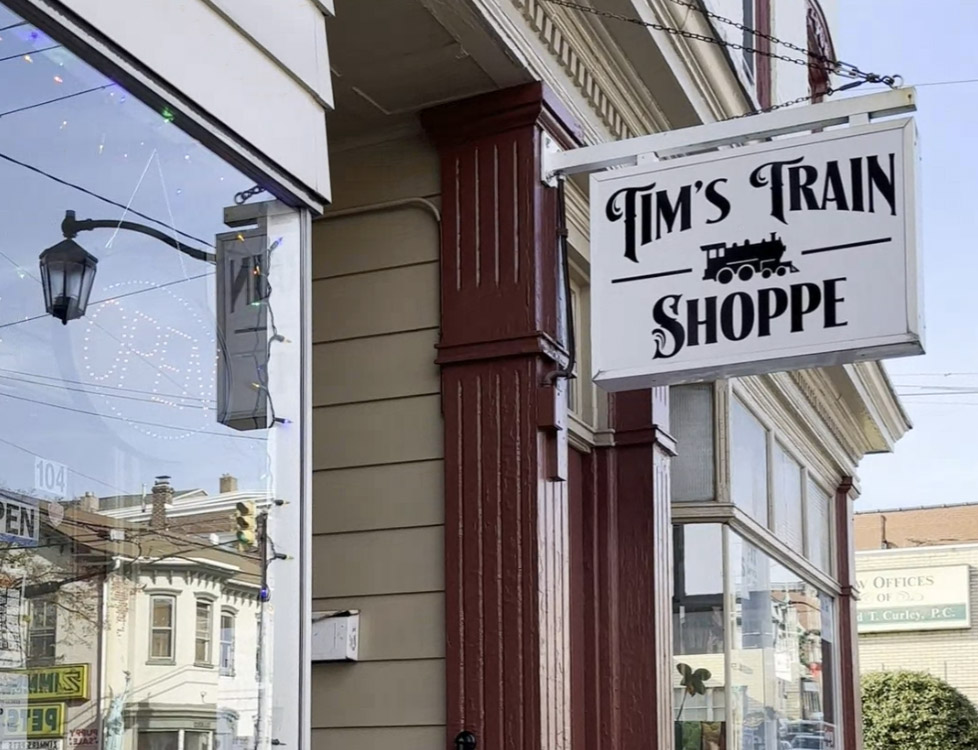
(706, 65)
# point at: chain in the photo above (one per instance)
(811, 60)
(244, 195)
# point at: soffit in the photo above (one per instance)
(390, 60)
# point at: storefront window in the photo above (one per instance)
(782, 677)
(699, 699)
(753, 646)
(787, 475)
(819, 542)
(150, 381)
(748, 462)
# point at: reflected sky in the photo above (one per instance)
(127, 392)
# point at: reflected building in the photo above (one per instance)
(141, 632)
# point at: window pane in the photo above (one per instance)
(782, 664)
(787, 498)
(162, 613)
(748, 462)
(158, 741)
(691, 423)
(196, 740)
(698, 645)
(819, 542)
(227, 644)
(162, 644)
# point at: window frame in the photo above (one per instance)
(51, 609)
(171, 598)
(721, 508)
(207, 601)
(227, 670)
(797, 567)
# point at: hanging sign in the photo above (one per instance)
(799, 252)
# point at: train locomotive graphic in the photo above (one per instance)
(724, 262)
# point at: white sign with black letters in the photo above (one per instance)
(800, 252)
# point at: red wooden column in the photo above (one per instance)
(851, 698)
(506, 560)
(622, 660)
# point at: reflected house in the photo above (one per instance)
(143, 633)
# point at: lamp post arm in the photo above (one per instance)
(72, 226)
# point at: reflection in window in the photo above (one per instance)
(119, 470)
(819, 542)
(162, 628)
(42, 632)
(159, 741)
(748, 462)
(196, 740)
(698, 645)
(787, 498)
(227, 643)
(782, 663)
(202, 636)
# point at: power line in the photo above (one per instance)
(14, 26)
(141, 399)
(128, 420)
(56, 99)
(108, 299)
(93, 194)
(30, 52)
(99, 385)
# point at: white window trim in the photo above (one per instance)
(170, 596)
(233, 614)
(210, 601)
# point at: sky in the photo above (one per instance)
(935, 462)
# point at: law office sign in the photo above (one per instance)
(920, 598)
(798, 252)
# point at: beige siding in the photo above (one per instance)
(379, 738)
(378, 509)
(951, 655)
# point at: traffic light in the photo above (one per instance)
(246, 525)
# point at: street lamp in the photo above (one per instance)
(68, 270)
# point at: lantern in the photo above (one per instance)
(67, 274)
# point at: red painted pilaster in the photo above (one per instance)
(506, 525)
(850, 698)
(626, 580)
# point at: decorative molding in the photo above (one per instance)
(552, 34)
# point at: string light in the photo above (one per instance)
(58, 79)
(28, 58)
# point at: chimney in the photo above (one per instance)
(89, 502)
(162, 495)
(228, 483)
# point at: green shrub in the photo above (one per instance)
(916, 711)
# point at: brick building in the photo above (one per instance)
(922, 562)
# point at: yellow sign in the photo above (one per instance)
(34, 720)
(64, 682)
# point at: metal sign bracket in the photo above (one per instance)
(699, 138)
